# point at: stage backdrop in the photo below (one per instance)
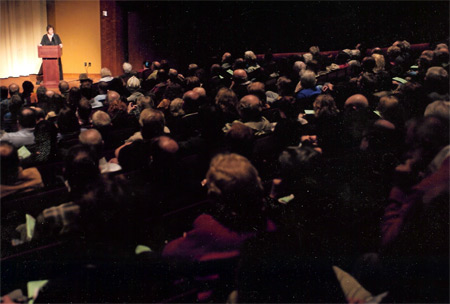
(78, 25)
(22, 26)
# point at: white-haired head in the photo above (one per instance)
(127, 67)
(308, 57)
(299, 67)
(249, 56)
(308, 79)
(355, 53)
(105, 72)
(133, 83)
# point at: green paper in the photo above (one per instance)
(31, 223)
(309, 111)
(286, 199)
(23, 152)
(141, 248)
(377, 112)
(401, 80)
(33, 289)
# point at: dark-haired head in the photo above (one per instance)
(67, 121)
(28, 88)
(15, 105)
(27, 118)
(299, 164)
(81, 169)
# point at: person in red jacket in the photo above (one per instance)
(234, 185)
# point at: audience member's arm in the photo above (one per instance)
(30, 178)
(298, 87)
(117, 151)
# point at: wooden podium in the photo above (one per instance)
(50, 67)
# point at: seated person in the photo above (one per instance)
(93, 139)
(81, 174)
(25, 135)
(417, 217)
(250, 108)
(135, 153)
(13, 178)
(234, 185)
(133, 86)
(98, 216)
(97, 101)
(308, 91)
(240, 83)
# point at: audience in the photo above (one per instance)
(349, 166)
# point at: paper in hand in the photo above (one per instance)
(23, 152)
(141, 248)
(33, 289)
(31, 223)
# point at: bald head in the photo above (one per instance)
(13, 89)
(168, 145)
(256, 86)
(191, 95)
(173, 73)
(250, 100)
(200, 91)
(112, 96)
(90, 137)
(240, 75)
(384, 124)
(226, 57)
(156, 65)
(63, 86)
(50, 93)
(250, 108)
(93, 139)
(357, 101)
(191, 101)
(27, 118)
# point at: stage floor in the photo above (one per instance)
(72, 79)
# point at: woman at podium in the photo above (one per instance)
(50, 38)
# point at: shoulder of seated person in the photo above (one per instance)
(30, 173)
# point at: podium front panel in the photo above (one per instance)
(49, 51)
